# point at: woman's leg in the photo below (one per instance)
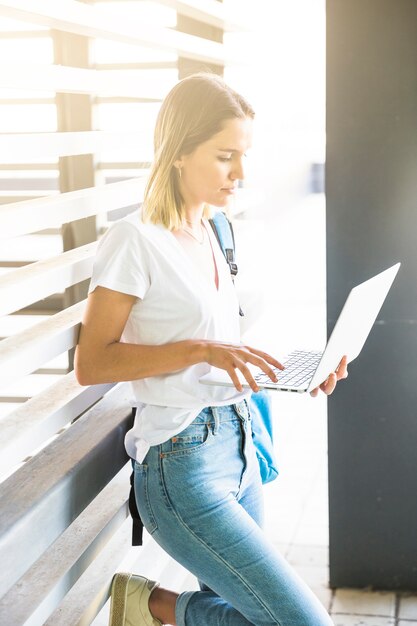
(199, 495)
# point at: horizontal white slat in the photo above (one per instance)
(89, 594)
(18, 251)
(38, 419)
(28, 284)
(124, 168)
(137, 65)
(41, 589)
(5, 409)
(27, 217)
(208, 11)
(75, 17)
(24, 147)
(12, 324)
(60, 78)
(25, 352)
(21, 33)
(23, 196)
(28, 386)
(51, 168)
(29, 101)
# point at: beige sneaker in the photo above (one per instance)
(129, 601)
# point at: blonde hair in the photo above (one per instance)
(192, 112)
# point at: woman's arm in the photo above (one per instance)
(101, 357)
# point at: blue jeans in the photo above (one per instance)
(199, 495)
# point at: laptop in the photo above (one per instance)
(305, 370)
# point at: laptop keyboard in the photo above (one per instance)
(299, 369)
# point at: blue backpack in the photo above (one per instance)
(259, 403)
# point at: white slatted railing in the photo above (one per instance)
(63, 495)
(78, 18)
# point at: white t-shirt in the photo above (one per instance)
(176, 301)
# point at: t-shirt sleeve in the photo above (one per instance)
(121, 261)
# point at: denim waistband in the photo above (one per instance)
(219, 414)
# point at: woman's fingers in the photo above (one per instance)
(237, 357)
(266, 357)
(328, 386)
(265, 367)
(341, 369)
(248, 375)
(330, 383)
(262, 360)
(240, 365)
(235, 378)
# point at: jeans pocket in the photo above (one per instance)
(143, 501)
(190, 440)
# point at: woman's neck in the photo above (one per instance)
(193, 217)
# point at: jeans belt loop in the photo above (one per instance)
(240, 410)
(216, 420)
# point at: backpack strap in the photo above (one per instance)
(137, 524)
(223, 229)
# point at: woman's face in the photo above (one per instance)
(209, 175)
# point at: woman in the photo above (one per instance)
(162, 309)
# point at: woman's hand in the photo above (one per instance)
(233, 357)
(331, 381)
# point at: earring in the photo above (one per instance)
(180, 171)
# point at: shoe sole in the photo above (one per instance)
(118, 599)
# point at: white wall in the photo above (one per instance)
(285, 82)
